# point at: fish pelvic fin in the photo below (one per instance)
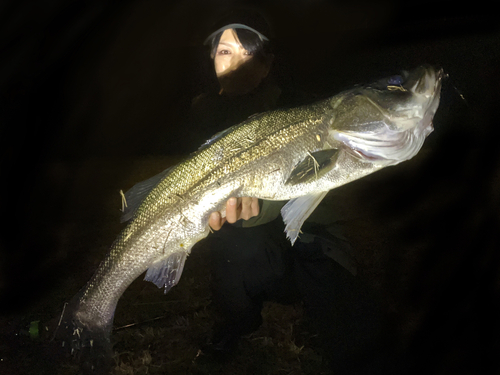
(313, 166)
(297, 210)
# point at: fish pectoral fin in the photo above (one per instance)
(132, 199)
(314, 166)
(297, 210)
(167, 272)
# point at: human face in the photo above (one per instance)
(238, 71)
(230, 53)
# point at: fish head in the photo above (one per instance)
(409, 98)
(388, 119)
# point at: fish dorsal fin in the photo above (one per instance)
(167, 272)
(132, 199)
(216, 137)
(297, 210)
(314, 166)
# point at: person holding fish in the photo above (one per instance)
(242, 62)
(248, 233)
(251, 259)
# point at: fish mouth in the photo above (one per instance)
(426, 91)
(424, 80)
(425, 85)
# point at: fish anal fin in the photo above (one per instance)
(297, 210)
(314, 166)
(167, 272)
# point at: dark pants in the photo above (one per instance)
(249, 266)
(341, 310)
(253, 265)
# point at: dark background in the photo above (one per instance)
(86, 85)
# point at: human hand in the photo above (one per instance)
(236, 208)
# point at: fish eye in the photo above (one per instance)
(395, 80)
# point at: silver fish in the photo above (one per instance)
(294, 154)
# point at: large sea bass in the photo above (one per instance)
(293, 154)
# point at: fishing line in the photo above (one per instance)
(459, 92)
(59, 323)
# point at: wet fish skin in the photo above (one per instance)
(298, 154)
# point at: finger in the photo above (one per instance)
(255, 207)
(246, 208)
(232, 213)
(215, 221)
(222, 221)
